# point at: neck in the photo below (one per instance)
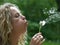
(17, 38)
(14, 38)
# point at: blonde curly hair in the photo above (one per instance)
(5, 24)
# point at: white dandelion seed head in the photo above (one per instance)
(42, 23)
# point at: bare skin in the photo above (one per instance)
(37, 39)
(19, 24)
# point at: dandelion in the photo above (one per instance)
(41, 23)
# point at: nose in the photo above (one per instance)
(23, 17)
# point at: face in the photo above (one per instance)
(19, 22)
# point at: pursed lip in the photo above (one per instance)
(26, 21)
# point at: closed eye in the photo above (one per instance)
(17, 15)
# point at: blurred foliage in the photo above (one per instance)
(33, 28)
(51, 31)
(35, 11)
(51, 43)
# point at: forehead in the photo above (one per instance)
(14, 9)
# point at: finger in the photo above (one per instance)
(39, 38)
(36, 37)
(41, 41)
(39, 33)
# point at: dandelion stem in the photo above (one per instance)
(40, 26)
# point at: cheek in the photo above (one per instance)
(18, 23)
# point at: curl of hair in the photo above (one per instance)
(5, 23)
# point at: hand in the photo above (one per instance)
(37, 39)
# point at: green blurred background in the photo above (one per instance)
(35, 11)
